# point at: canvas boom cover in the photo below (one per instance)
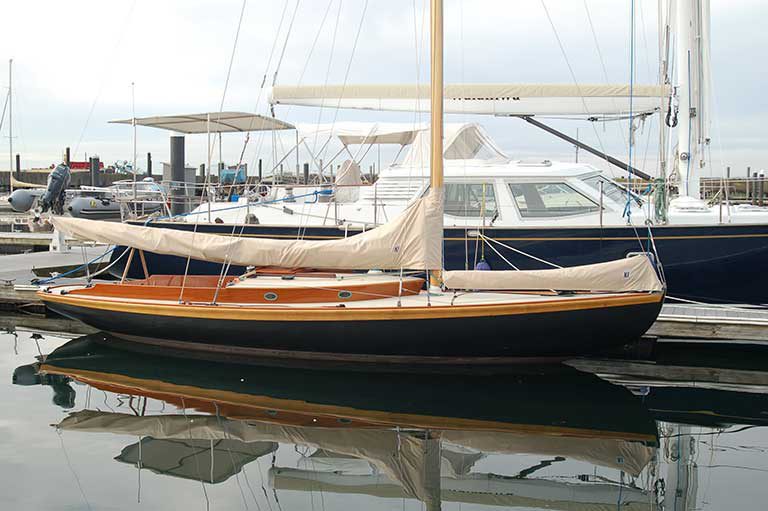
(413, 240)
(634, 273)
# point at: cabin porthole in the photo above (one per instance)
(345, 294)
(270, 296)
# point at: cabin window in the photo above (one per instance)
(470, 199)
(542, 200)
(610, 189)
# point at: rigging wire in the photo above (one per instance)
(628, 207)
(209, 147)
(278, 139)
(72, 468)
(108, 64)
(231, 457)
(226, 265)
(285, 43)
(573, 77)
(232, 56)
(600, 55)
(327, 77)
(2, 117)
(349, 66)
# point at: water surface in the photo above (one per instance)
(93, 427)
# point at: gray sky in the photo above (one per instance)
(74, 63)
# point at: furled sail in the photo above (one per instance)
(631, 274)
(414, 239)
(488, 99)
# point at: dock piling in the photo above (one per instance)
(178, 178)
(94, 170)
(754, 189)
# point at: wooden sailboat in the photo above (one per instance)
(462, 316)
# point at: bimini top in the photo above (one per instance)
(211, 122)
(463, 141)
(353, 133)
(467, 142)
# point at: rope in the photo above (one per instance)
(79, 268)
(513, 249)
(499, 254)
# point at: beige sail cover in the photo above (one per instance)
(414, 239)
(482, 98)
(634, 273)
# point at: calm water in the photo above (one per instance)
(98, 428)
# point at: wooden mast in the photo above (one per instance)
(436, 93)
(436, 109)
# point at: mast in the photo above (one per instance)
(693, 83)
(436, 111)
(10, 123)
(436, 93)
(133, 122)
(684, 63)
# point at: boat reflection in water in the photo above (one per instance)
(426, 436)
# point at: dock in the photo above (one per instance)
(17, 294)
(26, 239)
(711, 322)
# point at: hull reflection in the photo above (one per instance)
(423, 436)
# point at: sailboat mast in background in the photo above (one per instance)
(10, 124)
(692, 62)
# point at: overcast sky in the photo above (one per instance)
(74, 63)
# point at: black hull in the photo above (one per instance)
(542, 334)
(720, 263)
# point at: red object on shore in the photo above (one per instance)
(83, 165)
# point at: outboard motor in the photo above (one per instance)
(23, 200)
(54, 196)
